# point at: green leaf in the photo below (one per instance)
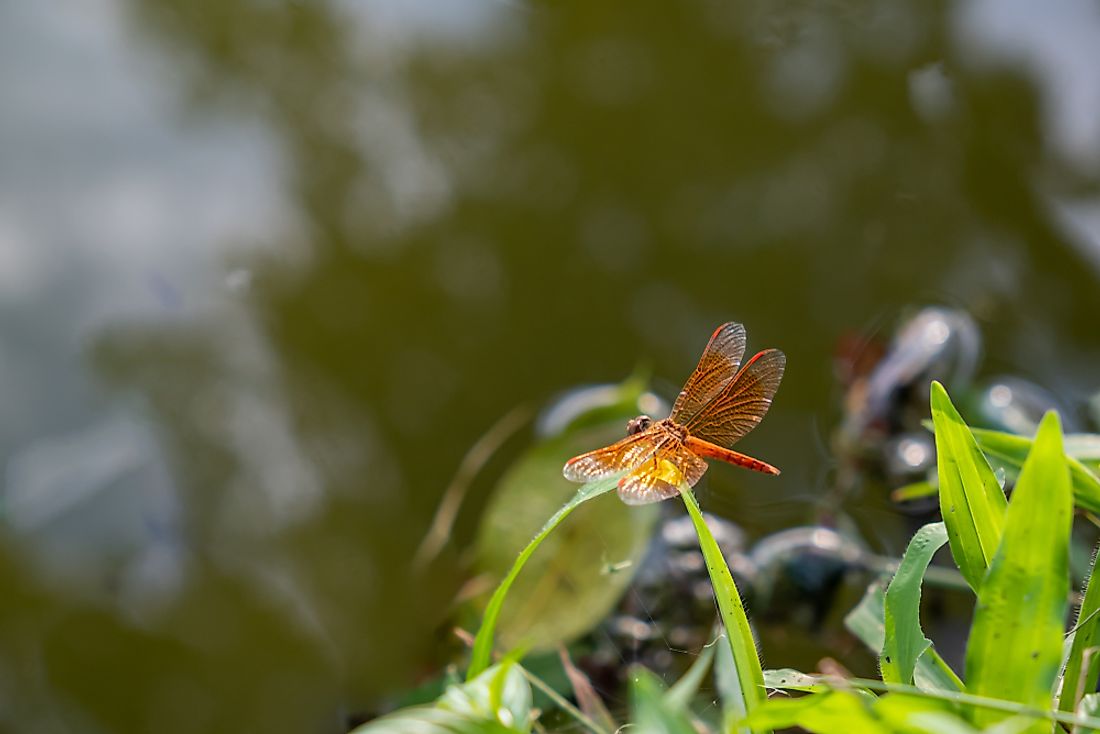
(1015, 645)
(904, 641)
(789, 679)
(971, 501)
(496, 702)
(1010, 451)
(565, 589)
(653, 712)
(828, 711)
(483, 643)
(912, 714)
(1083, 664)
(867, 621)
(858, 712)
(914, 491)
(742, 645)
(1020, 716)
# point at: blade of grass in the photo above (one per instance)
(483, 643)
(904, 641)
(1015, 645)
(914, 491)
(971, 501)
(653, 713)
(742, 645)
(1083, 665)
(1011, 450)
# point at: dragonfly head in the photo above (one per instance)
(637, 425)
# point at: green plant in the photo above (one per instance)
(1014, 554)
(1023, 671)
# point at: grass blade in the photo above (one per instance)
(1015, 646)
(971, 501)
(904, 641)
(914, 491)
(683, 690)
(1083, 665)
(483, 643)
(653, 713)
(1010, 450)
(742, 645)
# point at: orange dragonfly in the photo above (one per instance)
(720, 403)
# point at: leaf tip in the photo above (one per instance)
(938, 396)
(1051, 421)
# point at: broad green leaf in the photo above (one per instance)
(682, 691)
(496, 702)
(653, 712)
(742, 645)
(971, 501)
(912, 714)
(1015, 645)
(565, 589)
(1083, 664)
(904, 641)
(1010, 450)
(483, 643)
(867, 621)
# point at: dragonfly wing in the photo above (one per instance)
(716, 368)
(619, 456)
(742, 403)
(662, 475)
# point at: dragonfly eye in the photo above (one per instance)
(637, 425)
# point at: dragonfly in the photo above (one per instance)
(720, 403)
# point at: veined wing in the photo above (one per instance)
(716, 368)
(661, 475)
(619, 456)
(742, 403)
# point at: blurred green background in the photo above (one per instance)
(268, 270)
